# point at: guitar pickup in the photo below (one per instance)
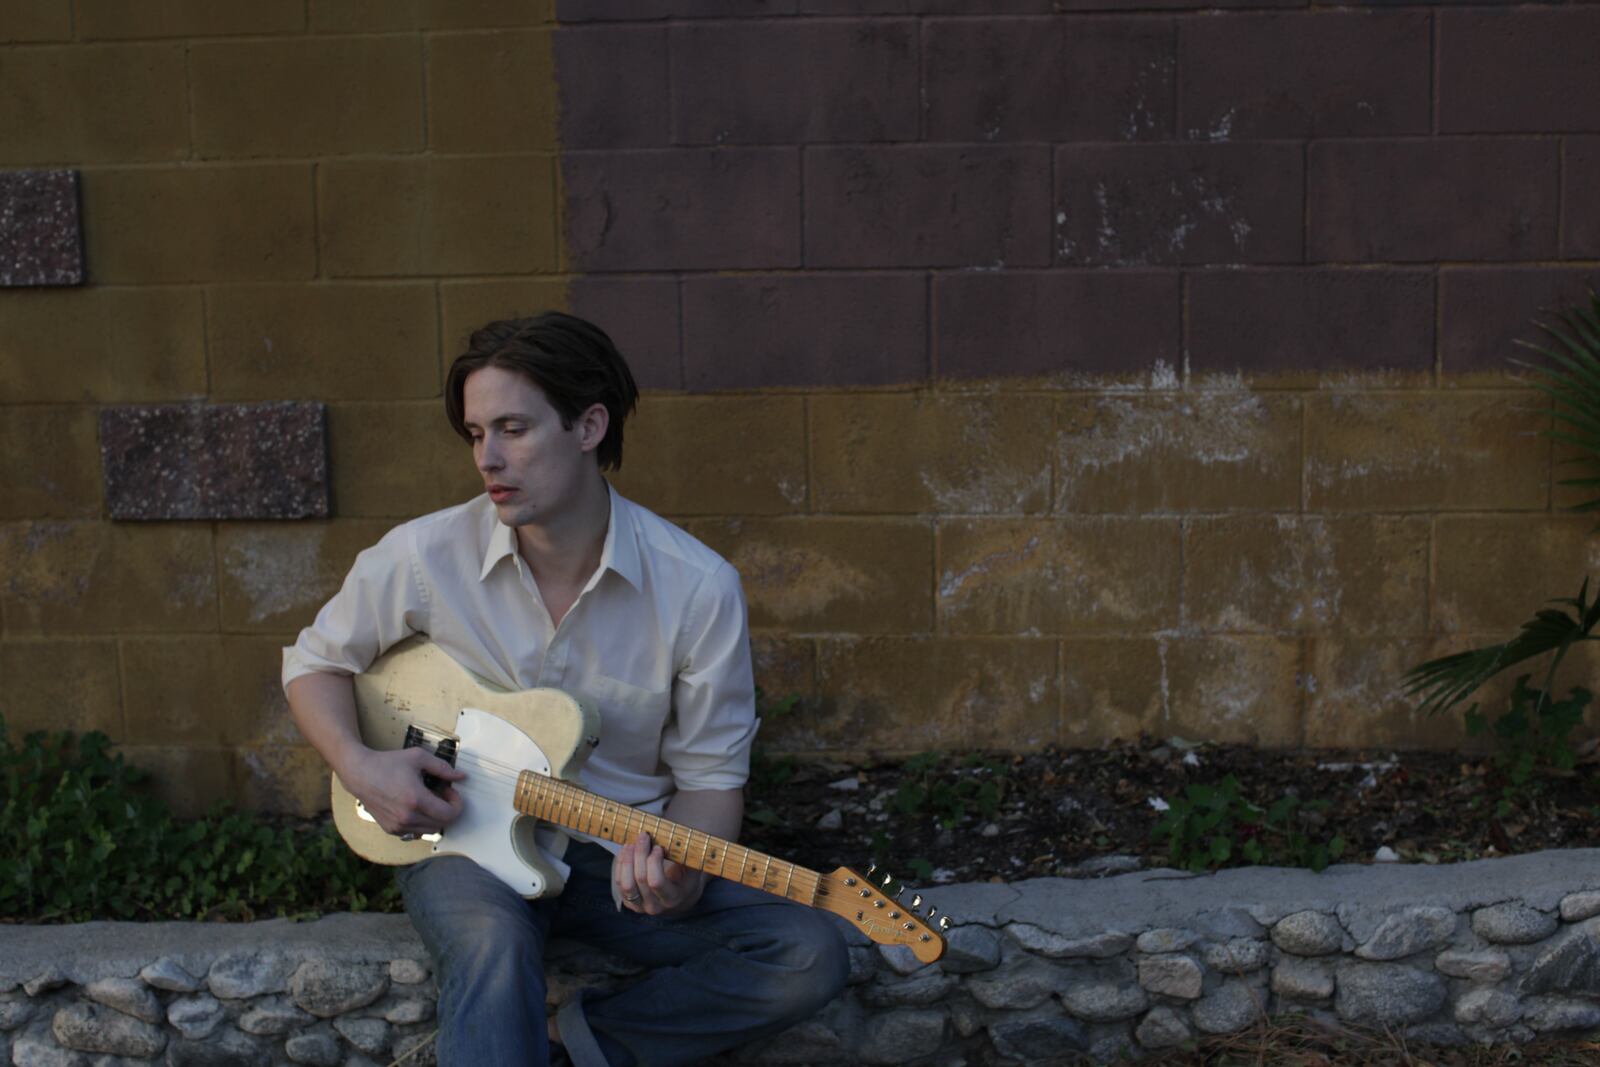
(445, 750)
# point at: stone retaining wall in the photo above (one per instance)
(1492, 951)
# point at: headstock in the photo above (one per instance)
(862, 900)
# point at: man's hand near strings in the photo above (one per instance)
(651, 884)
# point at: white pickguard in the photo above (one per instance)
(490, 831)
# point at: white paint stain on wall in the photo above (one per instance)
(278, 571)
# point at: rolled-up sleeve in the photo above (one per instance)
(707, 741)
(382, 602)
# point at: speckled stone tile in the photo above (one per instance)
(41, 233)
(215, 461)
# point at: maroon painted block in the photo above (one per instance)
(1294, 319)
(218, 461)
(1045, 7)
(1519, 70)
(805, 330)
(785, 81)
(1178, 203)
(1041, 323)
(41, 232)
(927, 206)
(1422, 200)
(1025, 79)
(1485, 311)
(1296, 75)
(1580, 209)
(641, 316)
(613, 86)
(683, 209)
(645, 10)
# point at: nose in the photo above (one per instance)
(488, 456)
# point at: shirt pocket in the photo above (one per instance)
(632, 719)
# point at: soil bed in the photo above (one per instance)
(1090, 812)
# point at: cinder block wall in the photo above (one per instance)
(1050, 375)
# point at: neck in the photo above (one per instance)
(568, 547)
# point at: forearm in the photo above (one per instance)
(323, 706)
(718, 812)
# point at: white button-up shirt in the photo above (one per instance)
(657, 640)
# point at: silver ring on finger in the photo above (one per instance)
(635, 898)
(408, 836)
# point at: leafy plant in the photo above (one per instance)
(926, 789)
(1570, 377)
(1535, 732)
(1214, 826)
(85, 839)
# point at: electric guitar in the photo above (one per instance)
(522, 752)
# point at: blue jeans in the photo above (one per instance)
(741, 965)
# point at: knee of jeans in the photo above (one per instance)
(485, 960)
(815, 964)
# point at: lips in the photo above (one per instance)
(499, 493)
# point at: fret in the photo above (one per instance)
(765, 871)
(789, 881)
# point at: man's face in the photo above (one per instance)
(531, 465)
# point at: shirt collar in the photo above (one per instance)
(619, 553)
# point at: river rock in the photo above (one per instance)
(1234, 1005)
(90, 1027)
(1384, 994)
(1569, 966)
(1545, 1014)
(166, 973)
(1021, 983)
(407, 972)
(195, 1017)
(1487, 1007)
(1162, 1028)
(1042, 942)
(408, 1010)
(1512, 923)
(1044, 1037)
(1484, 965)
(316, 1048)
(1104, 1002)
(369, 1035)
(1576, 907)
(1166, 939)
(242, 975)
(926, 988)
(1239, 955)
(34, 1047)
(229, 1049)
(14, 1010)
(898, 1036)
(46, 981)
(127, 995)
(1172, 975)
(970, 950)
(326, 988)
(272, 1015)
(1407, 932)
(1308, 933)
(1302, 979)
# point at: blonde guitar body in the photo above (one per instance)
(521, 753)
(415, 684)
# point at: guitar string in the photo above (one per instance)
(508, 774)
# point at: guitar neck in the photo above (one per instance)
(560, 802)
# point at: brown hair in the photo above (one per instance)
(571, 360)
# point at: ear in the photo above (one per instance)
(592, 425)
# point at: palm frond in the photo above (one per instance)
(1445, 682)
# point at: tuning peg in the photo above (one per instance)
(887, 878)
(944, 922)
(872, 870)
(916, 901)
(932, 910)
